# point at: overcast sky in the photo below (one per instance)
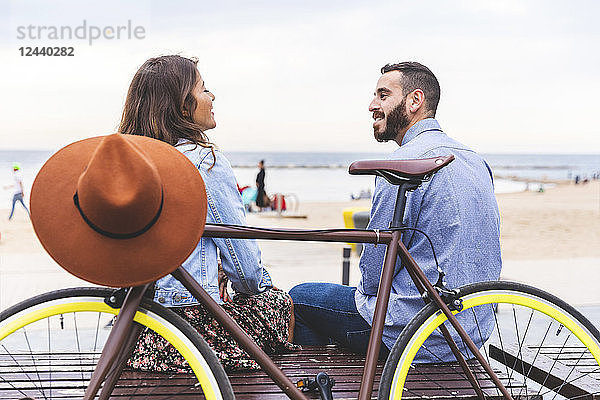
(516, 76)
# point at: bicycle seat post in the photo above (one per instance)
(400, 205)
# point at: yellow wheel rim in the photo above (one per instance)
(198, 364)
(482, 298)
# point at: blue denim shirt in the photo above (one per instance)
(456, 208)
(240, 257)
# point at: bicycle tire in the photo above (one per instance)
(44, 353)
(501, 299)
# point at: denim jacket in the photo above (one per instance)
(240, 257)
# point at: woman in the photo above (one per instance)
(168, 100)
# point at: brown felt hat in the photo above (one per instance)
(119, 210)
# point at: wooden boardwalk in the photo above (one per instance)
(437, 381)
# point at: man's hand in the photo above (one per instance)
(223, 280)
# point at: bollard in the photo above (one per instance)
(346, 266)
(278, 203)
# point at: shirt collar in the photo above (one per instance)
(424, 125)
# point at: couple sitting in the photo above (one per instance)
(169, 101)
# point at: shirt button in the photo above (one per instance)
(161, 299)
(177, 297)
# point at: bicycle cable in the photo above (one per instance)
(441, 274)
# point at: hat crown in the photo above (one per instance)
(120, 190)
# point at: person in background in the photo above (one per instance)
(168, 101)
(19, 193)
(262, 200)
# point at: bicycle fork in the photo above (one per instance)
(110, 364)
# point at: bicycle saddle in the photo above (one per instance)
(398, 172)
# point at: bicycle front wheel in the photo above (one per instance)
(50, 344)
(538, 345)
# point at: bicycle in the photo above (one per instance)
(92, 329)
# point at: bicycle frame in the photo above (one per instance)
(395, 249)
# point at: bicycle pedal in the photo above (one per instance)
(306, 385)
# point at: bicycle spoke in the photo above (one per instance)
(427, 378)
(172, 395)
(537, 353)
(557, 389)
(457, 370)
(97, 331)
(552, 366)
(34, 364)
(584, 395)
(483, 342)
(466, 356)
(18, 364)
(14, 387)
(539, 348)
(503, 352)
(464, 345)
(49, 353)
(78, 347)
(480, 335)
(520, 344)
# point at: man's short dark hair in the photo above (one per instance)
(417, 76)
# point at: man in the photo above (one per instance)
(457, 209)
(19, 192)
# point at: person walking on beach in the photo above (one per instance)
(262, 200)
(168, 101)
(19, 193)
(456, 208)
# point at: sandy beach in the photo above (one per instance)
(549, 239)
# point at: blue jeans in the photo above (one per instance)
(326, 313)
(17, 197)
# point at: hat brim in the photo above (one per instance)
(96, 258)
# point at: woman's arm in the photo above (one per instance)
(241, 258)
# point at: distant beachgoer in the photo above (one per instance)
(262, 200)
(19, 193)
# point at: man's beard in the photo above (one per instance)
(394, 122)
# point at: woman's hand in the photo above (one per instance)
(223, 280)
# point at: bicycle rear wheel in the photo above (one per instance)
(50, 344)
(540, 346)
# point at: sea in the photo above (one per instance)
(320, 176)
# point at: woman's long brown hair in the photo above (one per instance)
(158, 95)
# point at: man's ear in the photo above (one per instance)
(416, 100)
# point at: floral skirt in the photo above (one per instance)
(265, 317)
